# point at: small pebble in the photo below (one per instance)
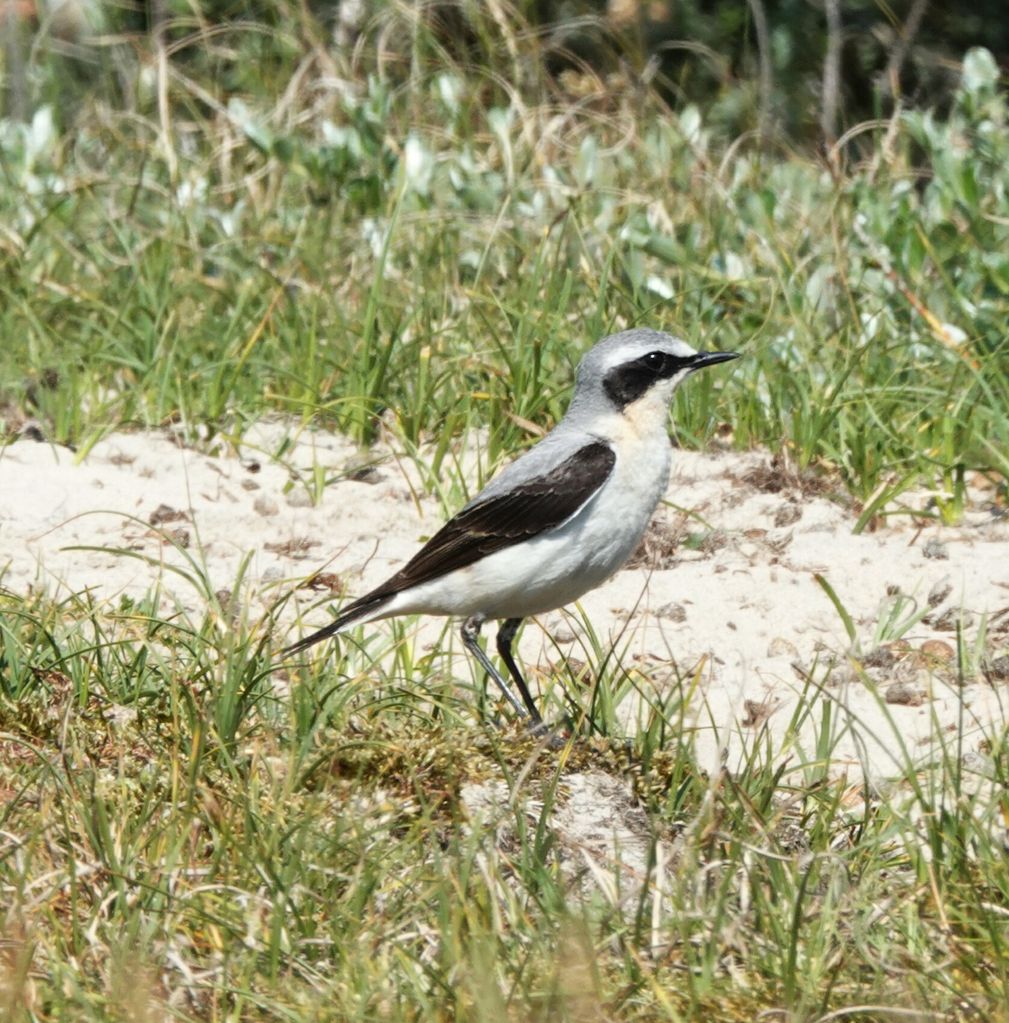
(560, 633)
(673, 611)
(299, 498)
(32, 430)
(939, 592)
(781, 647)
(881, 657)
(998, 669)
(758, 711)
(947, 622)
(165, 513)
(787, 514)
(938, 650)
(365, 474)
(180, 537)
(905, 696)
(842, 675)
(935, 549)
(714, 541)
(265, 506)
(911, 670)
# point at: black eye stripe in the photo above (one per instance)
(627, 382)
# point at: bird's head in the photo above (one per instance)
(637, 368)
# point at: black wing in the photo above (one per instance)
(526, 510)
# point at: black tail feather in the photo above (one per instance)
(348, 616)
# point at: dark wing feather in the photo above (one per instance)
(499, 521)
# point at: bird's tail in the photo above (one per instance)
(350, 614)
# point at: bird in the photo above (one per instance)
(560, 519)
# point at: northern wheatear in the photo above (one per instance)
(560, 519)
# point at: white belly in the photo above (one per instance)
(561, 565)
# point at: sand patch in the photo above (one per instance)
(722, 605)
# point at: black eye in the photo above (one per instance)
(657, 362)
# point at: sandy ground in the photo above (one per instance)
(722, 601)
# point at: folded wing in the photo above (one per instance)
(520, 513)
(508, 515)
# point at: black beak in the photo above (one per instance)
(702, 359)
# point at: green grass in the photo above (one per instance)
(178, 832)
(426, 244)
(415, 241)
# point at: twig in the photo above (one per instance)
(890, 84)
(764, 56)
(831, 74)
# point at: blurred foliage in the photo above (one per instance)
(708, 52)
(747, 64)
(376, 207)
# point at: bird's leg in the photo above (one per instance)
(471, 639)
(505, 636)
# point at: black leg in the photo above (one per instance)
(505, 636)
(471, 639)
